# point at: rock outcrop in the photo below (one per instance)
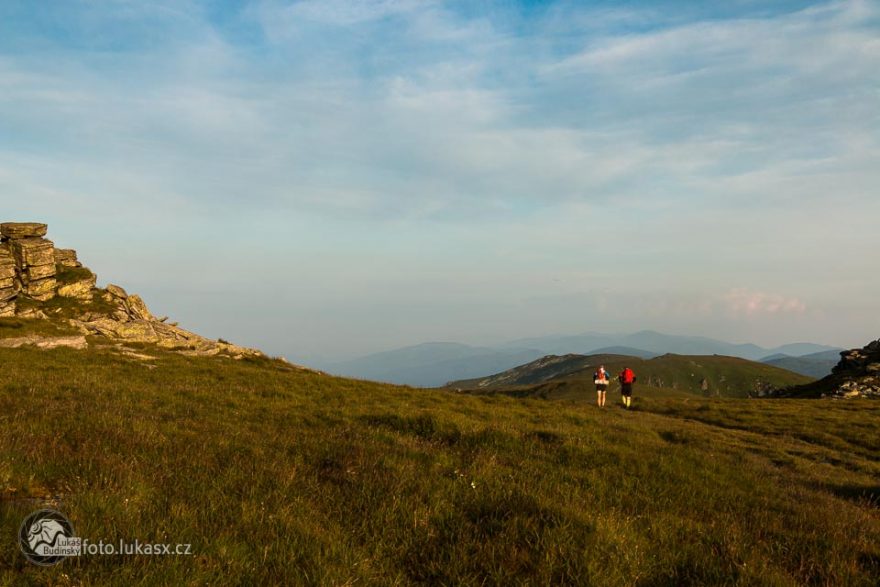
(66, 258)
(33, 272)
(34, 258)
(130, 321)
(857, 375)
(45, 342)
(8, 281)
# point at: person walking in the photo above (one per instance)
(600, 378)
(627, 378)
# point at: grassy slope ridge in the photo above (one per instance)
(284, 476)
(666, 375)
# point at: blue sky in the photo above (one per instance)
(326, 178)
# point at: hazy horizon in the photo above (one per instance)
(327, 179)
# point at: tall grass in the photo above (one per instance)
(280, 476)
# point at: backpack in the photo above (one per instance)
(627, 376)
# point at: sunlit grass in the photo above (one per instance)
(281, 476)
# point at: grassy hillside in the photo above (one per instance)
(551, 367)
(571, 376)
(277, 475)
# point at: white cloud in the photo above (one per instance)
(742, 301)
(677, 162)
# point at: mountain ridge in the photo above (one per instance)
(401, 366)
(705, 375)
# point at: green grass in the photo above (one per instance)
(66, 275)
(61, 308)
(19, 327)
(280, 476)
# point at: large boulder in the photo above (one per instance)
(7, 262)
(8, 282)
(37, 272)
(42, 290)
(137, 309)
(66, 258)
(16, 230)
(7, 309)
(116, 292)
(32, 252)
(81, 289)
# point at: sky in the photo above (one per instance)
(323, 179)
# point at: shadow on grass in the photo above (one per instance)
(862, 494)
(425, 427)
(498, 536)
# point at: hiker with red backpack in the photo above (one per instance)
(627, 378)
(600, 378)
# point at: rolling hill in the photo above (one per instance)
(572, 375)
(816, 365)
(431, 364)
(278, 475)
(434, 364)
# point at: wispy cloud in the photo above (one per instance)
(652, 145)
(742, 301)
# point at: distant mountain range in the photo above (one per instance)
(816, 365)
(433, 364)
(437, 363)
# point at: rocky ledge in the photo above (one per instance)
(857, 375)
(41, 282)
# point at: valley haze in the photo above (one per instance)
(435, 364)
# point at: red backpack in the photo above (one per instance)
(627, 376)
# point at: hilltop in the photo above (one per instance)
(49, 299)
(571, 376)
(816, 365)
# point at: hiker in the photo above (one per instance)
(627, 378)
(600, 378)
